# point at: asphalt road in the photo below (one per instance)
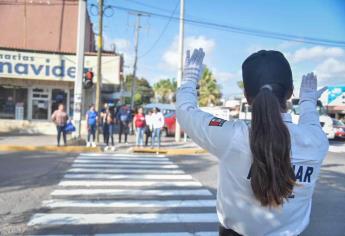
(27, 181)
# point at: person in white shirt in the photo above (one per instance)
(267, 170)
(157, 123)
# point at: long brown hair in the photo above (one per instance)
(267, 81)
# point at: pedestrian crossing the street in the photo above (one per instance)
(127, 195)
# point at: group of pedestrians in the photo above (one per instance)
(151, 125)
(111, 119)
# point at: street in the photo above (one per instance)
(126, 194)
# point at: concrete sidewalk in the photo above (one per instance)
(37, 142)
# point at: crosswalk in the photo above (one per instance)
(127, 195)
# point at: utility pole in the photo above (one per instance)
(136, 42)
(180, 63)
(99, 61)
(78, 89)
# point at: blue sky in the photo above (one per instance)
(225, 51)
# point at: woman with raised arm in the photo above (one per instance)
(267, 170)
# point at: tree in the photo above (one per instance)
(240, 84)
(210, 93)
(143, 90)
(165, 90)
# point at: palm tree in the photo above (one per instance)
(210, 93)
(165, 90)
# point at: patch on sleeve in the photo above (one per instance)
(216, 122)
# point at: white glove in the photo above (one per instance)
(193, 67)
(308, 88)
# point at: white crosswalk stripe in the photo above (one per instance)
(93, 183)
(337, 148)
(106, 194)
(123, 170)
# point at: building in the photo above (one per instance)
(37, 63)
(333, 100)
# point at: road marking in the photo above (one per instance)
(123, 176)
(125, 166)
(94, 183)
(337, 149)
(164, 234)
(130, 203)
(137, 171)
(134, 192)
(125, 158)
(124, 162)
(119, 155)
(210, 233)
(84, 219)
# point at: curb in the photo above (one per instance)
(187, 151)
(49, 148)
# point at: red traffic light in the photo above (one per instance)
(87, 81)
(89, 75)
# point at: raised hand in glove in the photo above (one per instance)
(308, 89)
(193, 67)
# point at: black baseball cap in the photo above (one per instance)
(266, 68)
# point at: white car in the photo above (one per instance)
(325, 120)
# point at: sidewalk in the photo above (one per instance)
(37, 142)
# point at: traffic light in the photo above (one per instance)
(87, 81)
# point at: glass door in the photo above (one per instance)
(40, 103)
(59, 96)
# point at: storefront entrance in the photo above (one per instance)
(40, 103)
(44, 101)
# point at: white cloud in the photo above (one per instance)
(331, 68)
(170, 57)
(315, 53)
(121, 45)
(222, 76)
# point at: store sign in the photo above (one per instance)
(336, 95)
(49, 66)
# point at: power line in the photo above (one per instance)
(149, 5)
(210, 25)
(243, 30)
(162, 32)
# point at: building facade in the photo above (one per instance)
(38, 63)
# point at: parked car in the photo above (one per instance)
(169, 124)
(338, 129)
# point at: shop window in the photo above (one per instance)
(40, 104)
(13, 102)
(59, 96)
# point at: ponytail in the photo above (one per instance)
(272, 176)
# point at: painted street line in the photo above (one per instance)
(124, 162)
(209, 233)
(119, 155)
(215, 233)
(84, 219)
(135, 192)
(125, 166)
(125, 158)
(337, 149)
(130, 203)
(93, 183)
(138, 171)
(123, 176)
